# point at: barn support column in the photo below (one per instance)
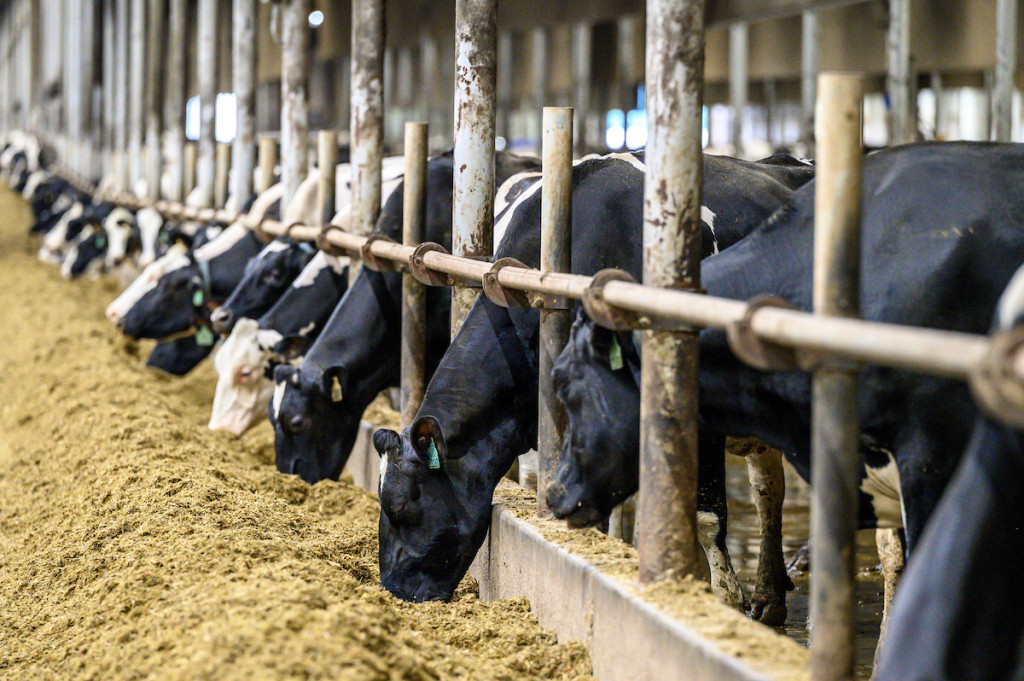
(243, 73)
(1006, 62)
(267, 160)
(221, 172)
(540, 46)
(109, 51)
(295, 58)
(367, 127)
(414, 294)
(473, 213)
(835, 430)
(739, 82)
(902, 123)
(121, 96)
(504, 95)
(582, 46)
(555, 252)
(810, 42)
(137, 93)
(207, 78)
(88, 135)
(174, 113)
(327, 163)
(667, 506)
(71, 88)
(154, 95)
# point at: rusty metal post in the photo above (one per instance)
(267, 160)
(555, 256)
(327, 162)
(414, 294)
(191, 160)
(739, 47)
(108, 66)
(835, 431)
(1006, 62)
(475, 73)
(367, 127)
(540, 64)
(243, 73)
(902, 124)
(222, 167)
(154, 94)
(504, 85)
(121, 110)
(91, 126)
(137, 91)
(582, 48)
(207, 78)
(295, 58)
(809, 65)
(667, 540)
(174, 112)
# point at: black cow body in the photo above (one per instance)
(480, 408)
(356, 355)
(920, 266)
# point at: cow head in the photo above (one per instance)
(121, 233)
(86, 253)
(174, 304)
(427, 537)
(596, 379)
(242, 389)
(315, 426)
(266, 277)
(179, 356)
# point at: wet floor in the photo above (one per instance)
(744, 545)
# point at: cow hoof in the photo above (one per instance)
(768, 610)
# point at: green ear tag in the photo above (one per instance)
(433, 460)
(204, 336)
(101, 242)
(335, 390)
(197, 298)
(615, 354)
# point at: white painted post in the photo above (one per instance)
(295, 57)
(207, 78)
(739, 41)
(243, 155)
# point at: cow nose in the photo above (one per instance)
(298, 423)
(221, 320)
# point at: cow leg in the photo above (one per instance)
(712, 520)
(893, 558)
(768, 485)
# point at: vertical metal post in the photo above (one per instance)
(667, 539)
(902, 125)
(121, 112)
(154, 94)
(207, 78)
(243, 73)
(582, 46)
(539, 44)
(367, 127)
(136, 85)
(504, 81)
(87, 78)
(191, 161)
(174, 114)
(428, 77)
(555, 256)
(935, 82)
(295, 57)
(222, 166)
(109, 51)
(327, 161)
(1006, 62)
(72, 80)
(739, 41)
(475, 56)
(835, 431)
(625, 63)
(267, 161)
(414, 294)
(809, 65)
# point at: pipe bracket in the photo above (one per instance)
(993, 382)
(498, 294)
(419, 270)
(617, 318)
(372, 261)
(753, 350)
(326, 246)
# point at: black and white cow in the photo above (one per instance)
(480, 409)
(951, 621)
(917, 270)
(316, 408)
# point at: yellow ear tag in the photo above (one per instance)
(335, 390)
(433, 460)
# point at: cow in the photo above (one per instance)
(282, 334)
(439, 474)
(102, 247)
(316, 409)
(916, 270)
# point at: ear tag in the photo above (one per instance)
(433, 460)
(101, 242)
(204, 336)
(335, 390)
(615, 354)
(197, 298)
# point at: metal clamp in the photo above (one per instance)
(419, 270)
(206, 214)
(498, 294)
(260, 233)
(326, 246)
(372, 261)
(993, 381)
(598, 309)
(753, 350)
(290, 226)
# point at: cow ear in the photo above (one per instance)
(283, 373)
(333, 383)
(428, 441)
(386, 441)
(292, 347)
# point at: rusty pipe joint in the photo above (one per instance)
(368, 258)
(420, 272)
